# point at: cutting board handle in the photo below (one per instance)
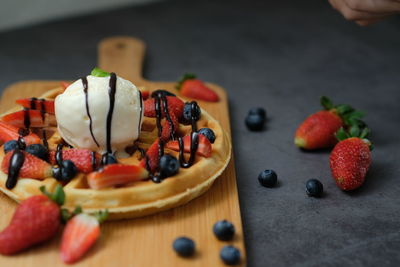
(122, 55)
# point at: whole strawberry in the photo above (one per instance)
(350, 159)
(318, 130)
(191, 87)
(36, 219)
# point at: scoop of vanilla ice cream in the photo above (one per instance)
(74, 123)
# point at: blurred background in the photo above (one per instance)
(17, 13)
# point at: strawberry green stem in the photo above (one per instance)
(58, 196)
(186, 76)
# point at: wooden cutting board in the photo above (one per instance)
(145, 241)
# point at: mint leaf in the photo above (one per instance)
(99, 73)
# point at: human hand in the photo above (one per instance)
(366, 12)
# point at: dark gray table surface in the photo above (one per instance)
(282, 55)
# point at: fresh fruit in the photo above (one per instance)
(18, 118)
(167, 127)
(37, 104)
(38, 150)
(184, 246)
(350, 160)
(188, 115)
(318, 130)
(230, 255)
(169, 166)
(10, 145)
(10, 132)
(32, 167)
(191, 87)
(314, 188)
(152, 157)
(175, 105)
(224, 230)
(79, 235)
(66, 171)
(145, 93)
(161, 92)
(255, 122)
(36, 219)
(207, 132)
(268, 178)
(258, 111)
(82, 158)
(204, 149)
(108, 158)
(116, 174)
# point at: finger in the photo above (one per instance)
(374, 6)
(354, 15)
(368, 22)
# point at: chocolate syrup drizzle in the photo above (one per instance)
(16, 162)
(161, 101)
(85, 90)
(111, 92)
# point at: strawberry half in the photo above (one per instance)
(37, 104)
(36, 219)
(116, 174)
(10, 132)
(191, 87)
(152, 156)
(79, 235)
(82, 158)
(145, 93)
(32, 167)
(167, 129)
(17, 118)
(175, 105)
(204, 149)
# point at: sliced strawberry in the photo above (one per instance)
(191, 87)
(80, 233)
(82, 158)
(65, 84)
(18, 118)
(10, 132)
(204, 149)
(116, 174)
(145, 93)
(32, 167)
(37, 104)
(152, 157)
(175, 105)
(167, 128)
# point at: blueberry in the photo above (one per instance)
(108, 158)
(230, 255)
(314, 188)
(162, 92)
(207, 132)
(184, 246)
(187, 112)
(10, 145)
(169, 166)
(38, 150)
(65, 172)
(267, 178)
(255, 122)
(224, 230)
(258, 111)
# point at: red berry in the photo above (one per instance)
(80, 233)
(82, 158)
(9, 132)
(37, 104)
(33, 167)
(152, 157)
(204, 149)
(196, 89)
(318, 130)
(175, 105)
(349, 162)
(18, 118)
(36, 219)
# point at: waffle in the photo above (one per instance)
(142, 197)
